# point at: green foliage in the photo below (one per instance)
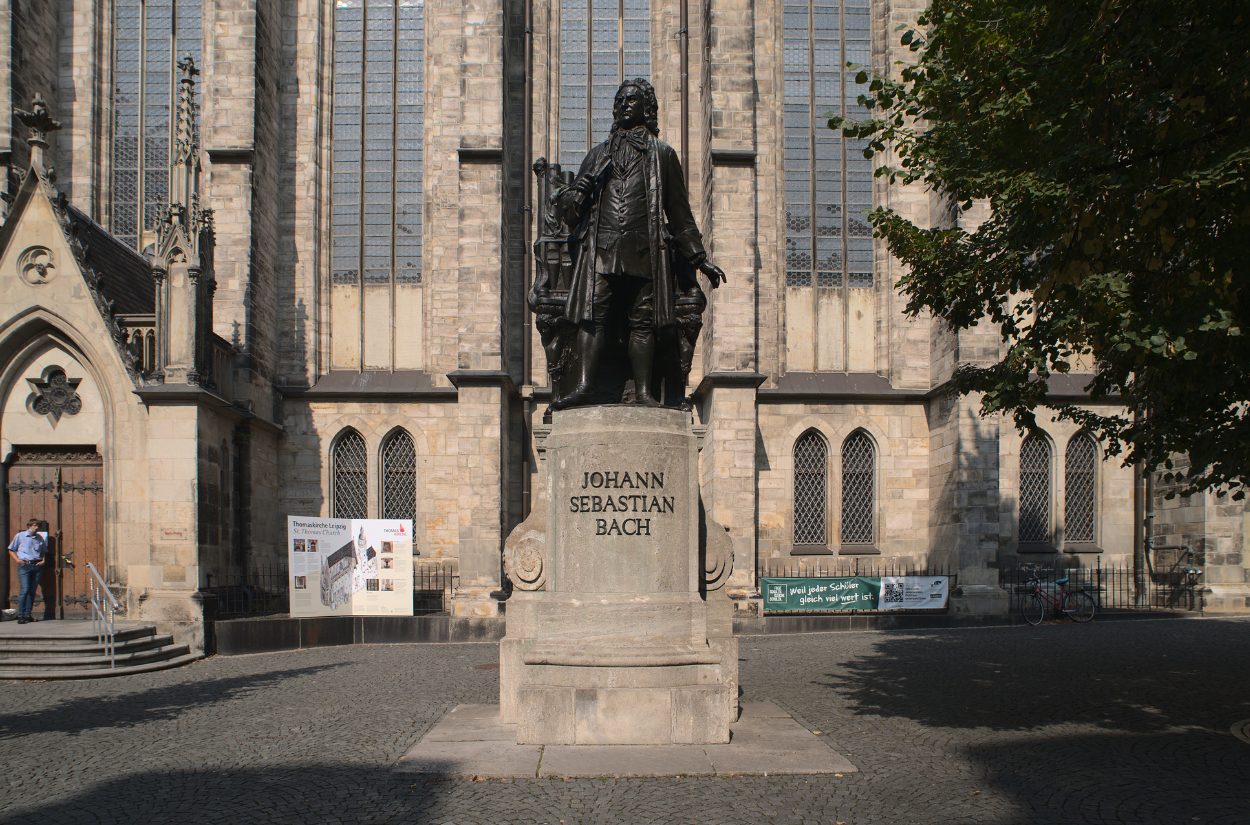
(1110, 142)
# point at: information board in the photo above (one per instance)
(855, 593)
(350, 567)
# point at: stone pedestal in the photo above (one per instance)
(608, 636)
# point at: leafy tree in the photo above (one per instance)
(1111, 142)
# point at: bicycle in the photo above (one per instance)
(1077, 604)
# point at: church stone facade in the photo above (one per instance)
(303, 292)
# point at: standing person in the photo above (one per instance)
(28, 549)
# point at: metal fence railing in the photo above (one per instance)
(432, 586)
(263, 589)
(838, 566)
(1167, 584)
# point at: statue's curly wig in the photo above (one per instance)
(652, 106)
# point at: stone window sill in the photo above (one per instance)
(1036, 547)
(810, 550)
(859, 550)
(1081, 547)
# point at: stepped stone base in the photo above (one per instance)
(614, 638)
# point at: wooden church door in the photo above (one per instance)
(63, 486)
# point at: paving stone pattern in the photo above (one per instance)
(1115, 722)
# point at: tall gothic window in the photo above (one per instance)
(810, 469)
(1035, 490)
(1080, 500)
(602, 42)
(349, 485)
(399, 476)
(377, 153)
(828, 188)
(859, 469)
(149, 37)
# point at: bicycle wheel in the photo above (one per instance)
(1033, 608)
(1079, 605)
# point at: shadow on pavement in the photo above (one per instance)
(1139, 778)
(78, 715)
(1191, 676)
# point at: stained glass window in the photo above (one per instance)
(349, 480)
(602, 42)
(1034, 490)
(1080, 504)
(378, 145)
(149, 37)
(810, 469)
(828, 182)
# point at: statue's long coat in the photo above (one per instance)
(671, 227)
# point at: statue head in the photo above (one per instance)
(635, 105)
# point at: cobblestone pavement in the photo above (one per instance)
(1124, 722)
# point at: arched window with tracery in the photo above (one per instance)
(829, 274)
(349, 491)
(399, 476)
(149, 38)
(602, 42)
(1034, 490)
(376, 193)
(810, 466)
(859, 466)
(1080, 504)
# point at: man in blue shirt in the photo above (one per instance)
(28, 549)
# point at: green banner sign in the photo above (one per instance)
(852, 593)
(855, 593)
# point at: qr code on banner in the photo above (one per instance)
(892, 592)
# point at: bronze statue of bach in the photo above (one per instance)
(634, 248)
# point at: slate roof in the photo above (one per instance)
(125, 276)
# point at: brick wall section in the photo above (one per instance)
(302, 262)
(480, 310)
(1214, 526)
(263, 331)
(446, 87)
(240, 133)
(35, 47)
(770, 220)
(902, 438)
(83, 94)
(6, 92)
(1113, 493)
(516, 172)
(310, 429)
(728, 474)
(730, 337)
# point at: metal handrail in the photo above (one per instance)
(104, 609)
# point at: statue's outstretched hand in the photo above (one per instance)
(715, 275)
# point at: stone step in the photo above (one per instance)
(42, 633)
(34, 663)
(102, 672)
(75, 648)
(71, 650)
